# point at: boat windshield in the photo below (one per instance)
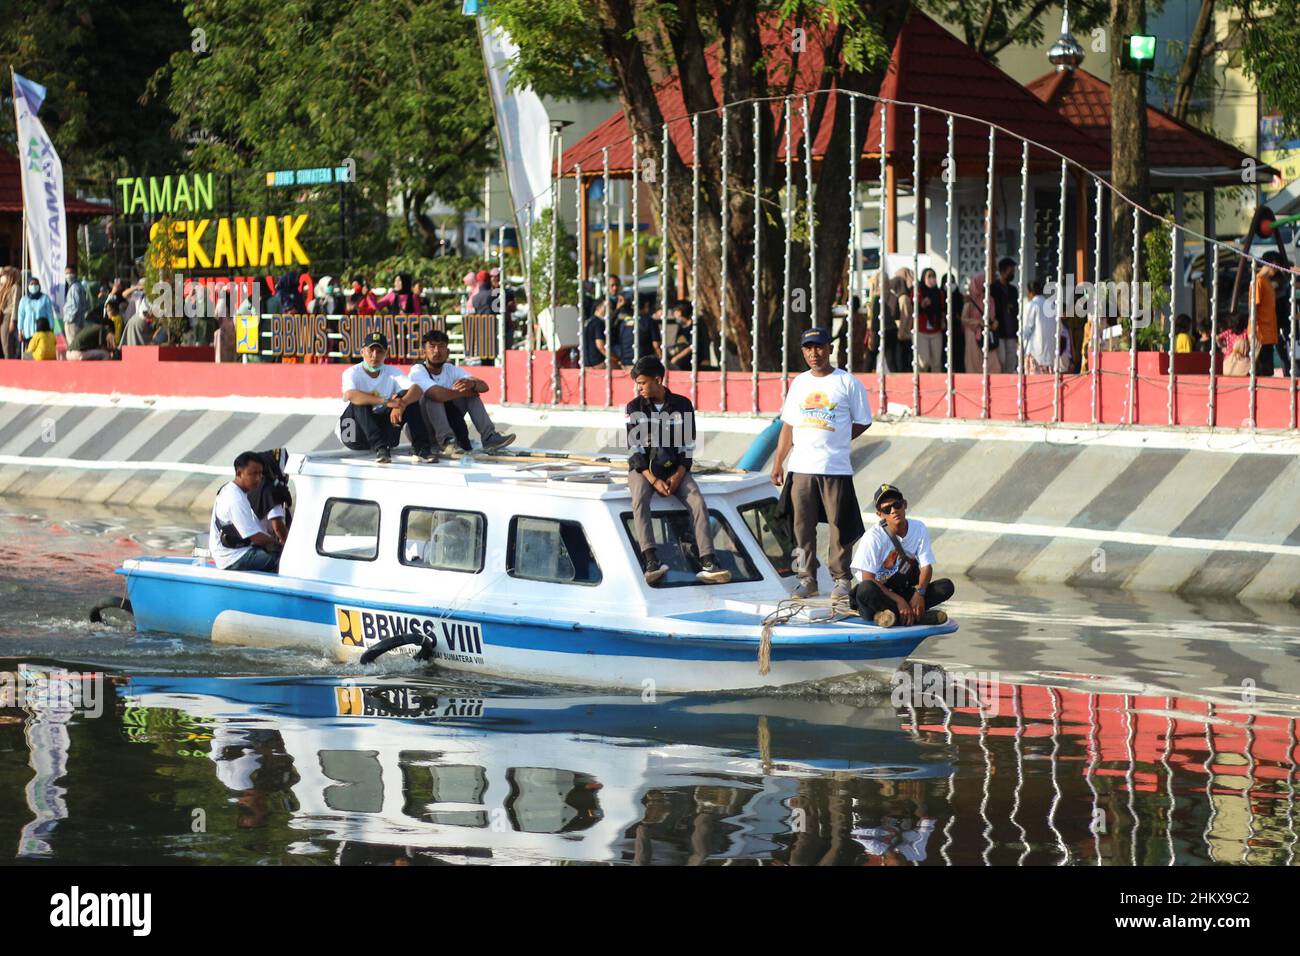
(675, 546)
(773, 536)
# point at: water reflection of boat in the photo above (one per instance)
(410, 763)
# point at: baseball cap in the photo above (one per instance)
(886, 491)
(494, 271)
(815, 337)
(374, 338)
(482, 276)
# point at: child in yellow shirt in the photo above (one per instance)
(1183, 333)
(42, 344)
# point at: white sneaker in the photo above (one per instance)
(807, 588)
(885, 618)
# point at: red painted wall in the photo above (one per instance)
(147, 370)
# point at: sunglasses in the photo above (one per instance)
(889, 507)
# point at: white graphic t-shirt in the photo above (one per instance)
(822, 410)
(875, 550)
(386, 384)
(448, 376)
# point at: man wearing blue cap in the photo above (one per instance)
(381, 400)
(825, 409)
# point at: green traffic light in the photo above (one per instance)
(1142, 49)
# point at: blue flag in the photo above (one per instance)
(33, 93)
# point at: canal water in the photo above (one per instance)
(1058, 727)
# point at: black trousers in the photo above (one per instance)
(370, 430)
(868, 598)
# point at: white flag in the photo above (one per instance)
(525, 129)
(42, 172)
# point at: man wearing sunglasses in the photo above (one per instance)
(897, 567)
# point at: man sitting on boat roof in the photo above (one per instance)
(381, 400)
(661, 436)
(897, 566)
(450, 393)
(237, 539)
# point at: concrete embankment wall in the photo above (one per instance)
(1190, 511)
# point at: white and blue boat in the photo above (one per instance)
(522, 566)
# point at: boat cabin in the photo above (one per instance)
(525, 529)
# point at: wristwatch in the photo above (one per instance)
(921, 591)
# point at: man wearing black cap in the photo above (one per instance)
(380, 401)
(825, 409)
(897, 567)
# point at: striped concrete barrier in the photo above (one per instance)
(1201, 513)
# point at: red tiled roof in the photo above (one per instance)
(1084, 100)
(929, 66)
(11, 193)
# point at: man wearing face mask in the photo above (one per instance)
(381, 401)
(36, 305)
(76, 304)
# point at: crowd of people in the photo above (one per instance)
(94, 323)
(916, 320)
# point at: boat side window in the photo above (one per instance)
(771, 535)
(548, 549)
(675, 546)
(442, 539)
(349, 529)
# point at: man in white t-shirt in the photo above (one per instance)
(381, 400)
(825, 409)
(897, 588)
(450, 393)
(250, 543)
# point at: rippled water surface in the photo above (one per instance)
(1057, 727)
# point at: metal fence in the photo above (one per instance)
(958, 391)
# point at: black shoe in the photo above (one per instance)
(651, 566)
(429, 456)
(383, 456)
(447, 444)
(497, 441)
(710, 573)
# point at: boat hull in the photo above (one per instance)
(690, 655)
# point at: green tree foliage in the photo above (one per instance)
(568, 47)
(1270, 38)
(566, 277)
(394, 85)
(991, 26)
(96, 59)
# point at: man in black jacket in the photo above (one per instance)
(661, 436)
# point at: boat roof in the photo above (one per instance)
(554, 472)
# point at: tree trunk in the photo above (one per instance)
(1191, 67)
(1128, 151)
(740, 49)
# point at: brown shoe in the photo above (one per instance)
(934, 616)
(885, 618)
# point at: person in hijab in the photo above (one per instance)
(401, 299)
(286, 289)
(328, 299)
(954, 303)
(976, 325)
(899, 322)
(930, 324)
(362, 301)
(9, 341)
